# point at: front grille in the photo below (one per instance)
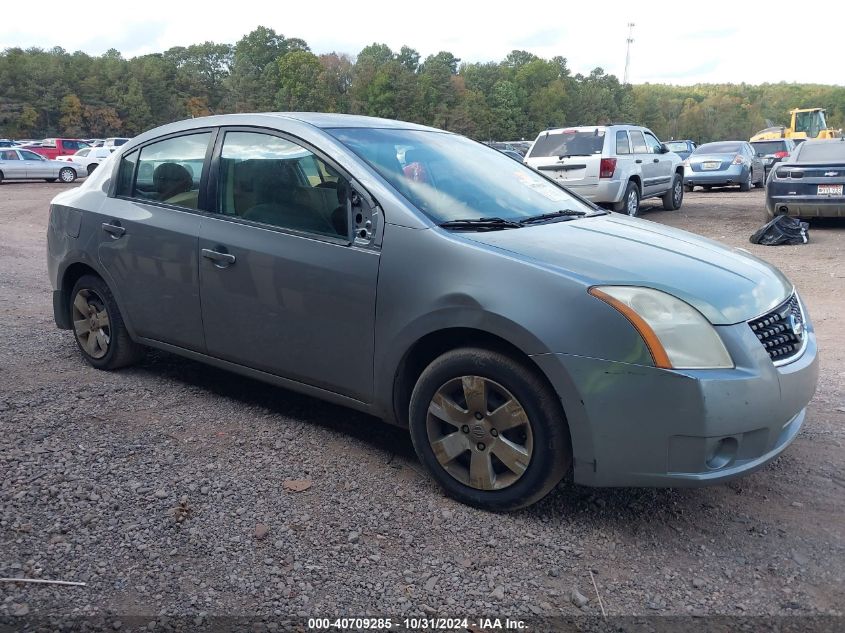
(781, 331)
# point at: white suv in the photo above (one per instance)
(616, 165)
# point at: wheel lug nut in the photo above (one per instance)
(478, 416)
(480, 446)
(465, 428)
(494, 433)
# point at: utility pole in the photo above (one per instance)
(630, 41)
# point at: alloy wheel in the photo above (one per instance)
(633, 202)
(67, 175)
(91, 323)
(678, 192)
(479, 433)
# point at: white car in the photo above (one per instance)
(614, 165)
(89, 157)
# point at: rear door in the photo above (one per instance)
(645, 161)
(11, 165)
(148, 237)
(661, 162)
(285, 289)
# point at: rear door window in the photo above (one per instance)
(638, 142)
(170, 171)
(623, 145)
(9, 155)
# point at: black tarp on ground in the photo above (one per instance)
(782, 230)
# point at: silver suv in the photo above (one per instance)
(614, 165)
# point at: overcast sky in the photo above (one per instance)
(720, 42)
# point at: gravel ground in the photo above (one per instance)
(175, 488)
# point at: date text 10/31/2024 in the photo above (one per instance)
(415, 624)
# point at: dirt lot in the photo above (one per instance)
(94, 466)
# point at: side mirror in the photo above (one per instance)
(664, 149)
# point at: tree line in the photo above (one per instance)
(47, 93)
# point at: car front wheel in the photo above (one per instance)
(98, 326)
(489, 429)
(66, 174)
(673, 198)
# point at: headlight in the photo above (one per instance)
(676, 334)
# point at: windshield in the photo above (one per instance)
(810, 122)
(822, 152)
(569, 143)
(718, 148)
(449, 177)
(677, 146)
(769, 147)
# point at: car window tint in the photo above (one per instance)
(623, 145)
(169, 171)
(653, 144)
(267, 179)
(9, 155)
(823, 151)
(770, 147)
(677, 146)
(569, 143)
(638, 142)
(27, 155)
(125, 173)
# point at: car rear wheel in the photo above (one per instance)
(673, 198)
(689, 188)
(489, 430)
(66, 174)
(91, 168)
(630, 202)
(746, 185)
(98, 326)
(1, 177)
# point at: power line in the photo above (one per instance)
(630, 41)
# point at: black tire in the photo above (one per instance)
(51, 179)
(91, 168)
(1, 177)
(746, 185)
(67, 175)
(121, 350)
(674, 198)
(689, 188)
(550, 456)
(623, 205)
(762, 180)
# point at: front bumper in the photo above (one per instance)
(733, 175)
(633, 425)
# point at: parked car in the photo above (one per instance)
(114, 141)
(681, 148)
(724, 163)
(616, 165)
(516, 329)
(512, 154)
(809, 184)
(772, 152)
(89, 157)
(52, 148)
(4, 142)
(23, 164)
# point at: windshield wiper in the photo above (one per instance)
(480, 224)
(563, 214)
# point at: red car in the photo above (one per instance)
(52, 148)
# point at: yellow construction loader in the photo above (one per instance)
(806, 123)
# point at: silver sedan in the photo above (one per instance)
(22, 164)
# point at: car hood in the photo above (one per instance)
(726, 285)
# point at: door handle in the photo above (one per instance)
(656, 160)
(114, 230)
(638, 161)
(221, 260)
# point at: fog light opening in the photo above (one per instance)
(723, 453)
(784, 210)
